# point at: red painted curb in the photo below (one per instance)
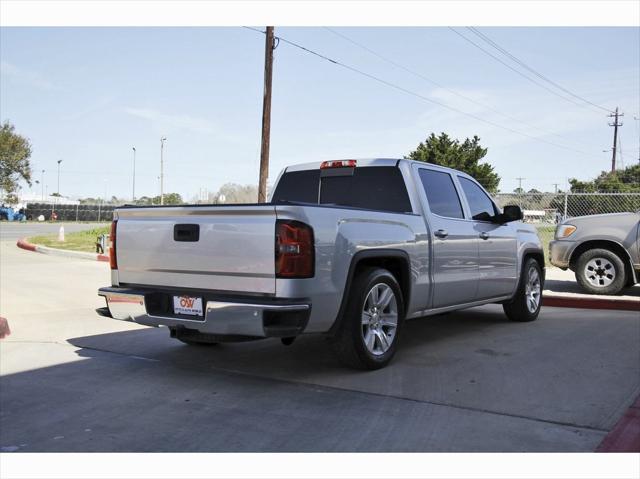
(591, 303)
(24, 244)
(625, 435)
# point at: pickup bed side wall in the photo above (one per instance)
(339, 235)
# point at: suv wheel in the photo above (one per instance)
(600, 271)
(525, 305)
(367, 337)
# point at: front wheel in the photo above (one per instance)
(600, 271)
(525, 305)
(368, 334)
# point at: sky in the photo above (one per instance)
(89, 95)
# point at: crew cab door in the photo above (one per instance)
(454, 240)
(497, 243)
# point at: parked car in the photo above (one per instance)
(350, 249)
(602, 250)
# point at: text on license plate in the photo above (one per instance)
(187, 305)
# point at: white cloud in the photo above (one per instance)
(167, 120)
(21, 75)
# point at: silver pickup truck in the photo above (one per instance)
(345, 248)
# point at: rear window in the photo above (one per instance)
(380, 188)
(298, 186)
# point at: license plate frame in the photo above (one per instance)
(188, 305)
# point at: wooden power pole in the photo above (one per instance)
(266, 116)
(615, 126)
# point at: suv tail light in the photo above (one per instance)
(113, 261)
(295, 254)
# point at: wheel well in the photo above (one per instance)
(397, 266)
(603, 244)
(538, 256)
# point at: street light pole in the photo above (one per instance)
(133, 195)
(42, 184)
(162, 140)
(59, 161)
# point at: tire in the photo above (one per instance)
(367, 337)
(526, 303)
(192, 338)
(600, 271)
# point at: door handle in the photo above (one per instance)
(484, 235)
(441, 233)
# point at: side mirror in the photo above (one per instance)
(511, 213)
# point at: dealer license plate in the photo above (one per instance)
(187, 305)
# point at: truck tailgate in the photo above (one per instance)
(225, 248)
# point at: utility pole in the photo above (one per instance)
(556, 186)
(133, 195)
(162, 140)
(520, 183)
(615, 126)
(266, 116)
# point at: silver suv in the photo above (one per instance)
(602, 250)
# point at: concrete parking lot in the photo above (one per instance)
(468, 381)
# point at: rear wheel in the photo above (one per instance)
(525, 305)
(600, 271)
(368, 334)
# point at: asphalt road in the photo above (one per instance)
(468, 381)
(14, 230)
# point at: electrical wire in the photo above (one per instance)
(422, 97)
(495, 45)
(439, 85)
(533, 80)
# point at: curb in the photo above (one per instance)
(586, 302)
(625, 435)
(24, 244)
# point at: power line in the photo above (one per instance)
(495, 45)
(439, 85)
(533, 80)
(417, 95)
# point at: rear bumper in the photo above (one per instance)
(560, 253)
(244, 317)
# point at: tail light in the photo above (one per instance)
(113, 261)
(338, 164)
(295, 254)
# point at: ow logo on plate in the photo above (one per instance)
(186, 302)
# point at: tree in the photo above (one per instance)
(233, 193)
(15, 151)
(621, 181)
(444, 151)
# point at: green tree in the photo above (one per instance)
(15, 151)
(621, 181)
(445, 151)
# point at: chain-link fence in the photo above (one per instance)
(97, 212)
(546, 210)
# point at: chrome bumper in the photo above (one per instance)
(223, 318)
(560, 253)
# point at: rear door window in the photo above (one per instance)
(441, 193)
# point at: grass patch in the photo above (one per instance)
(546, 235)
(77, 241)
